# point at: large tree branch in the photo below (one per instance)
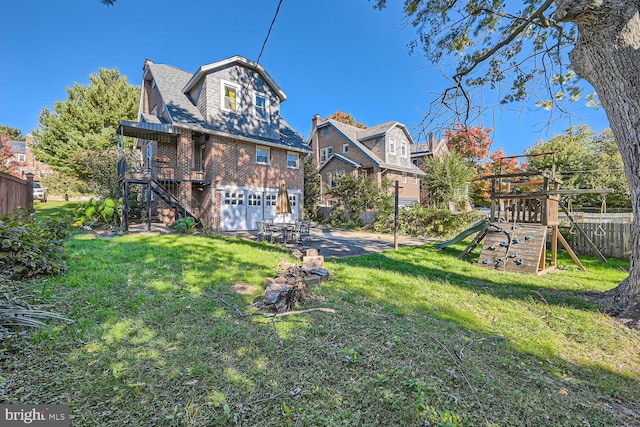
(519, 30)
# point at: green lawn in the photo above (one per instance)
(149, 346)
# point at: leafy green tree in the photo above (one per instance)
(356, 195)
(584, 160)
(311, 187)
(13, 133)
(517, 44)
(83, 126)
(447, 180)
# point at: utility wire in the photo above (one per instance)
(269, 32)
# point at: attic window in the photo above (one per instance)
(229, 97)
(392, 146)
(261, 107)
(403, 148)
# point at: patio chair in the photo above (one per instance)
(264, 232)
(301, 231)
(276, 233)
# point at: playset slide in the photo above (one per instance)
(475, 229)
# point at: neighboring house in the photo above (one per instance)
(378, 152)
(213, 144)
(421, 152)
(24, 160)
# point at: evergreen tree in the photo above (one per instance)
(83, 127)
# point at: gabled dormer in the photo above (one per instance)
(237, 95)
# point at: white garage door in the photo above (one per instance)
(233, 212)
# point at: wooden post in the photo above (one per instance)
(395, 217)
(554, 245)
(125, 205)
(149, 207)
(29, 193)
(572, 254)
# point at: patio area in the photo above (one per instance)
(338, 243)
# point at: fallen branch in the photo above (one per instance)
(272, 316)
(477, 340)
(309, 310)
(455, 360)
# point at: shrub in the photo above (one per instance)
(184, 225)
(421, 221)
(94, 213)
(30, 248)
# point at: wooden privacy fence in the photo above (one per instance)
(15, 193)
(613, 239)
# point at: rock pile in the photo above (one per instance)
(289, 286)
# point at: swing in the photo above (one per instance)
(599, 231)
(572, 230)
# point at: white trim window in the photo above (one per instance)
(293, 160)
(254, 199)
(404, 177)
(403, 148)
(392, 146)
(332, 176)
(417, 179)
(261, 107)
(22, 158)
(270, 199)
(345, 148)
(263, 155)
(233, 198)
(229, 96)
(325, 153)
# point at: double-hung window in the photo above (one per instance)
(403, 148)
(261, 107)
(325, 153)
(293, 161)
(263, 155)
(230, 95)
(392, 146)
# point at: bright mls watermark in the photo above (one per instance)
(34, 415)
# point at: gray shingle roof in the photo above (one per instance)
(171, 81)
(355, 135)
(18, 147)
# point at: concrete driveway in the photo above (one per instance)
(338, 243)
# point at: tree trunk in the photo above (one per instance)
(607, 55)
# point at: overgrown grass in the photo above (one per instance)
(405, 347)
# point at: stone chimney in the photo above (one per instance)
(147, 62)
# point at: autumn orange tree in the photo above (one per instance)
(346, 118)
(496, 163)
(7, 158)
(472, 143)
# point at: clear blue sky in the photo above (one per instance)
(327, 56)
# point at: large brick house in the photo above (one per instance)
(379, 151)
(213, 144)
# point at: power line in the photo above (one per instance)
(269, 32)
